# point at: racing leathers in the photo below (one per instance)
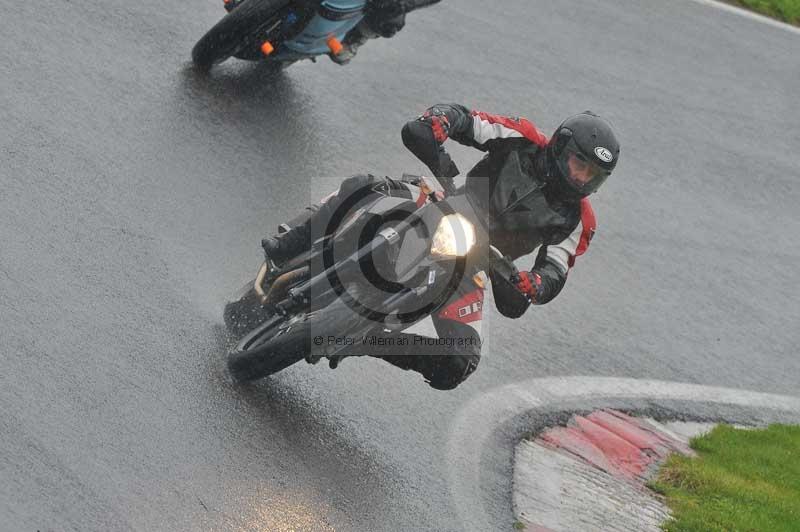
(525, 212)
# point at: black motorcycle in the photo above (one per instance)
(387, 266)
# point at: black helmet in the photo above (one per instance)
(582, 153)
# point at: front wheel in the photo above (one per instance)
(268, 349)
(233, 31)
(281, 342)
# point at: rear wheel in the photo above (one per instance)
(234, 31)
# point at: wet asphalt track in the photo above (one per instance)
(133, 194)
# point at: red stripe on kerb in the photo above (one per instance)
(575, 442)
(627, 459)
(629, 429)
(613, 442)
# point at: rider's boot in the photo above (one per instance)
(288, 245)
(318, 219)
(296, 237)
(407, 362)
(442, 372)
(357, 36)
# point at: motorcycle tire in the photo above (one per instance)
(266, 351)
(229, 34)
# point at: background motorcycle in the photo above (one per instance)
(280, 31)
(390, 265)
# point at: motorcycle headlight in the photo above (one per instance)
(454, 237)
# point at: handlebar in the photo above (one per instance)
(502, 265)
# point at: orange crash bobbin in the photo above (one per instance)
(334, 45)
(267, 48)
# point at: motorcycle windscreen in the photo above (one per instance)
(334, 18)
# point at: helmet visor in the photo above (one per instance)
(583, 175)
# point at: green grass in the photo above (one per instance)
(785, 10)
(745, 480)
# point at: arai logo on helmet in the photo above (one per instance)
(603, 154)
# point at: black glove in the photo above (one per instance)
(507, 297)
(447, 168)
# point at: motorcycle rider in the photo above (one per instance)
(382, 18)
(534, 192)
